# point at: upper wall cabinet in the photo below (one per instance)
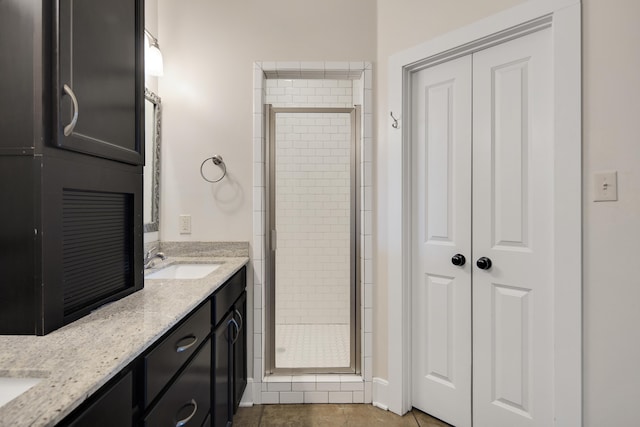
(100, 78)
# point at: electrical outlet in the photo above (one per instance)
(605, 186)
(185, 224)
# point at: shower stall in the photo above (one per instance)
(312, 219)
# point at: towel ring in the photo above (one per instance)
(217, 160)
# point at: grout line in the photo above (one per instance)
(260, 417)
(414, 418)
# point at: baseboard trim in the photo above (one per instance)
(247, 397)
(380, 393)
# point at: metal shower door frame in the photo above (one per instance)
(271, 238)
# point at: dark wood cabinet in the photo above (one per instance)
(71, 225)
(187, 400)
(99, 82)
(110, 407)
(92, 47)
(162, 363)
(195, 373)
(240, 351)
(230, 354)
(221, 408)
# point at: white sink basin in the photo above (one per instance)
(184, 271)
(10, 388)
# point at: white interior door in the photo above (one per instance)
(513, 227)
(441, 130)
(504, 215)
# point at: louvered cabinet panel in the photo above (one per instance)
(97, 248)
(74, 224)
(92, 235)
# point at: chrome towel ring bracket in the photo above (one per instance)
(217, 160)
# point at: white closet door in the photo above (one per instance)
(513, 226)
(441, 141)
(495, 105)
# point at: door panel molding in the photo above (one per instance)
(439, 361)
(439, 98)
(564, 18)
(510, 154)
(511, 318)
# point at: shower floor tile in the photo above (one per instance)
(312, 346)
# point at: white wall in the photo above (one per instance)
(611, 141)
(151, 24)
(209, 48)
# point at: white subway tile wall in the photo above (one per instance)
(313, 218)
(265, 77)
(309, 93)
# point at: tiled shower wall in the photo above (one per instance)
(309, 93)
(313, 388)
(313, 218)
(313, 180)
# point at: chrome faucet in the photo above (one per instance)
(150, 256)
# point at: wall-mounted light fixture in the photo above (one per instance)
(153, 63)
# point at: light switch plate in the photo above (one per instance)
(605, 186)
(185, 224)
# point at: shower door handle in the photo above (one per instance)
(274, 240)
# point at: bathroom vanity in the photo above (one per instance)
(173, 351)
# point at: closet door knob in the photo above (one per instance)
(458, 259)
(483, 263)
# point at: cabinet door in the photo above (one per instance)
(112, 408)
(100, 82)
(221, 410)
(240, 351)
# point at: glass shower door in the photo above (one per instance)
(312, 218)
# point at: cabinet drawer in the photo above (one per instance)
(189, 398)
(224, 298)
(162, 363)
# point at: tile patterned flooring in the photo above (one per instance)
(312, 346)
(330, 415)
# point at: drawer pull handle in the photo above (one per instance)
(241, 320)
(186, 420)
(237, 334)
(181, 348)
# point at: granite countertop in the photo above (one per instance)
(76, 360)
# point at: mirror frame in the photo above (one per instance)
(155, 197)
